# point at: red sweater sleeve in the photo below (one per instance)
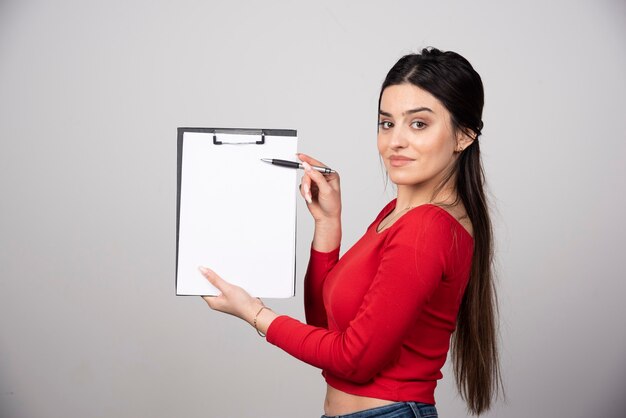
(410, 270)
(319, 265)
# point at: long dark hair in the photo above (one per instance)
(451, 79)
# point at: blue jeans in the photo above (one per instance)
(394, 410)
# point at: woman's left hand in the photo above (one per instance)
(233, 299)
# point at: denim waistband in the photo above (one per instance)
(394, 410)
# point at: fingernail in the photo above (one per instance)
(307, 193)
(203, 270)
(307, 166)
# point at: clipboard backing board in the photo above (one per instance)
(235, 213)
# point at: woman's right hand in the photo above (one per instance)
(321, 192)
(323, 197)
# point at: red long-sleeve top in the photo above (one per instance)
(380, 318)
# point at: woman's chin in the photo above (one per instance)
(400, 180)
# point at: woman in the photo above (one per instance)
(380, 319)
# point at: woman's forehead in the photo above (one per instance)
(401, 99)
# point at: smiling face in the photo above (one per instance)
(416, 139)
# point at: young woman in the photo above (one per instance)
(380, 319)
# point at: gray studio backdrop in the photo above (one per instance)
(91, 94)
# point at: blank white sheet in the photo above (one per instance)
(237, 215)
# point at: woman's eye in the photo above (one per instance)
(418, 125)
(385, 124)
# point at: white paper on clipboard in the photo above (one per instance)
(235, 213)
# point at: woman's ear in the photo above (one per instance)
(464, 139)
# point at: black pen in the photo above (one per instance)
(295, 164)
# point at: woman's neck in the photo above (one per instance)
(411, 196)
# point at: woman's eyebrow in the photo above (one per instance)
(407, 112)
(418, 109)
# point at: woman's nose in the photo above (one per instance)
(398, 138)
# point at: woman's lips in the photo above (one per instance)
(397, 161)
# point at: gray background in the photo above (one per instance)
(91, 94)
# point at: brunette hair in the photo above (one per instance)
(451, 79)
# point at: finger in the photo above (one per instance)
(306, 194)
(310, 160)
(213, 278)
(305, 189)
(320, 180)
(301, 189)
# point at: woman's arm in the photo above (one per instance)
(320, 264)
(323, 197)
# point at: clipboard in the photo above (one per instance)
(236, 214)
